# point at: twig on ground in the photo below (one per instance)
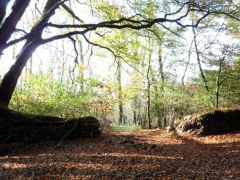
(59, 144)
(32, 174)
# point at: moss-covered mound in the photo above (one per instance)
(15, 126)
(214, 121)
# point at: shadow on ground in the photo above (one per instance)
(153, 155)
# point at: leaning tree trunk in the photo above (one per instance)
(28, 128)
(7, 27)
(10, 80)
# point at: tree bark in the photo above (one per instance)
(119, 85)
(9, 24)
(29, 128)
(148, 93)
(10, 80)
(218, 83)
(162, 83)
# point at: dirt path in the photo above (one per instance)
(144, 154)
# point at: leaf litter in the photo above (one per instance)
(139, 154)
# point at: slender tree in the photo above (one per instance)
(33, 39)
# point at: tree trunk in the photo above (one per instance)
(198, 59)
(148, 106)
(10, 80)
(218, 83)
(148, 93)
(81, 65)
(119, 84)
(162, 76)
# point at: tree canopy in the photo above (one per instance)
(148, 45)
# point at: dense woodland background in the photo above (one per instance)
(122, 75)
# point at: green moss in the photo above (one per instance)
(15, 126)
(179, 120)
(217, 121)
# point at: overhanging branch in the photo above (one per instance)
(115, 24)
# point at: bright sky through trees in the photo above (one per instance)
(162, 64)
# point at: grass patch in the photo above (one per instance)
(124, 128)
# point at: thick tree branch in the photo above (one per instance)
(3, 7)
(115, 24)
(9, 24)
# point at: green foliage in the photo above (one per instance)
(137, 56)
(42, 94)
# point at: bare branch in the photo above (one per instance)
(179, 10)
(76, 58)
(115, 24)
(115, 56)
(198, 59)
(75, 126)
(21, 30)
(71, 12)
(98, 45)
(172, 32)
(37, 7)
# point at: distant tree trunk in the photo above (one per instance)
(119, 86)
(198, 59)
(157, 95)
(135, 98)
(148, 105)
(134, 117)
(217, 93)
(218, 83)
(164, 118)
(81, 65)
(63, 63)
(31, 66)
(187, 64)
(148, 93)
(134, 106)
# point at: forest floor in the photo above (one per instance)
(139, 154)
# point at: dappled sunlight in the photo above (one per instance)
(107, 70)
(153, 154)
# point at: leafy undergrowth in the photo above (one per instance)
(144, 154)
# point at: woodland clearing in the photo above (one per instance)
(139, 154)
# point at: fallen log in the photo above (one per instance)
(30, 128)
